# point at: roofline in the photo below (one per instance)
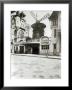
(54, 12)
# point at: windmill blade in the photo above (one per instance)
(44, 17)
(33, 15)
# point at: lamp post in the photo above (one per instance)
(49, 41)
(47, 46)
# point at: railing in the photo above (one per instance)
(34, 40)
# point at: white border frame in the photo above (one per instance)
(64, 8)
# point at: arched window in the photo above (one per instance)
(15, 32)
(21, 34)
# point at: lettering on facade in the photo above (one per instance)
(44, 40)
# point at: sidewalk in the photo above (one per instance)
(40, 56)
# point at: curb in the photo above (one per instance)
(40, 56)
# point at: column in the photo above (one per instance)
(18, 48)
(40, 48)
(12, 48)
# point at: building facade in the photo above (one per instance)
(21, 43)
(55, 20)
(19, 32)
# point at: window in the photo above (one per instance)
(15, 32)
(54, 32)
(54, 22)
(21, 34)
(54, 46)
(42, 46)
(15, 39)
(13, 21)
(45, 46)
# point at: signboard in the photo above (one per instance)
(44, 40)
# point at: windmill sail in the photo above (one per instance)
(38, 28)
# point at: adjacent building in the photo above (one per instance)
(55, 20)
(19, 32)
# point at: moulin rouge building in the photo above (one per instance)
(21, 43)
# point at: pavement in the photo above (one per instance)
(29, 66)
(40, 56)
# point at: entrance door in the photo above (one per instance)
(15, 49)
(35, 49)
(21, 49)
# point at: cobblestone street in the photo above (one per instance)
(29, 67)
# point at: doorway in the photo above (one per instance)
(35, 49)
(21, 49)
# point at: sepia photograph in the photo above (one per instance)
(35, 44)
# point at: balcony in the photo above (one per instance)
(34, 40)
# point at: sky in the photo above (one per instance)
(30, 20)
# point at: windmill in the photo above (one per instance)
(38, 27)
